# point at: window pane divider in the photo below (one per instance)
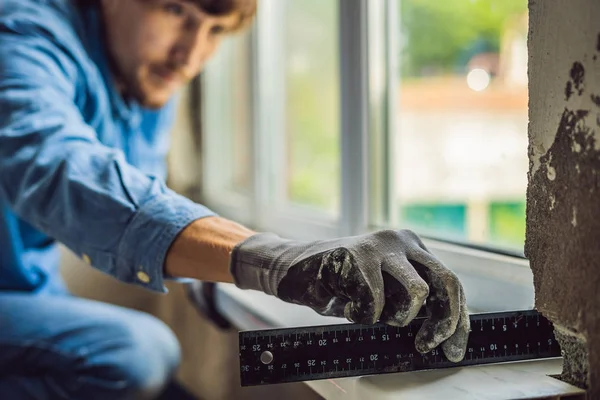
(268, 107)
(354, 115)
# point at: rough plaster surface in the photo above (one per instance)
(560, 28)
(563, 196)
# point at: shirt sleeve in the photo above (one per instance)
(55, 174)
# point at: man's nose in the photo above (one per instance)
(188, 50)
(181, 54)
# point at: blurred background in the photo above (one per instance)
(462, 120)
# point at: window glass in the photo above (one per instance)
(461, 140)
(312, 176)
(228, 120)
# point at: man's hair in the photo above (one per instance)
(245, 9)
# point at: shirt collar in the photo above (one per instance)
(96, 44)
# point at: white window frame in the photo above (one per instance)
(367, 55)
(215, 194)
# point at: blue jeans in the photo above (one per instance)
(63, 347)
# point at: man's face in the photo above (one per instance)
(157, 46)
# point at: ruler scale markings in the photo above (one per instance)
(386, 353)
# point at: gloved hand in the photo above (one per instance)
(384, 276)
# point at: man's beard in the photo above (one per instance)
(130, 86)
(133, 90)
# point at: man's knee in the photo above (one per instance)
(134, 360)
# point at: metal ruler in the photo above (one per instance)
(334, 351)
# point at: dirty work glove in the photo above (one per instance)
(384, 276)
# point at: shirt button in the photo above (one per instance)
(86, 259)
(143, 277)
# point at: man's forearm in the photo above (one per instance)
(202, 250)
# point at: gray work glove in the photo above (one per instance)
(384, 276)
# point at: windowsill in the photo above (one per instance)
(522, 380)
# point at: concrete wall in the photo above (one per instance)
(563, 196)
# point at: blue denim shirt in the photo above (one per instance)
(78, 164)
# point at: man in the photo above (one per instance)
(86, 92)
